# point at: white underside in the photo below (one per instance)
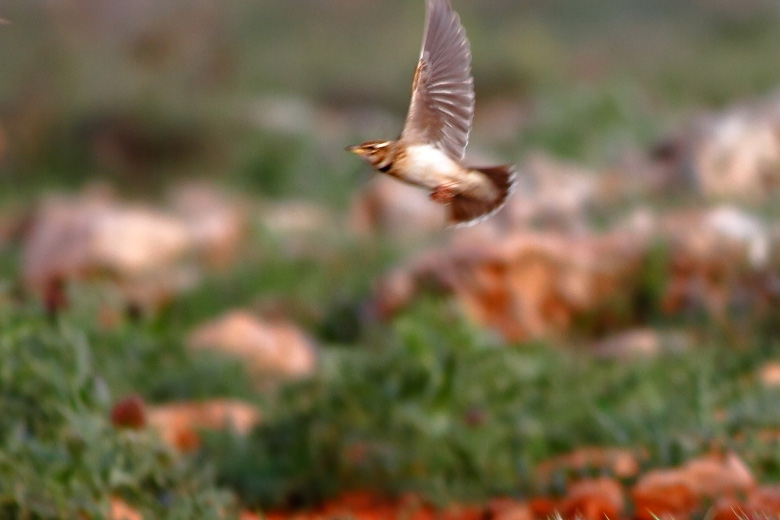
(428, 167)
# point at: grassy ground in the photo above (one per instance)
(426, 402)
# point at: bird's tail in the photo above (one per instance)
(467, 211)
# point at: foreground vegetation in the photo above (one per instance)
(424, 402)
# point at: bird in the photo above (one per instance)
(429, 153)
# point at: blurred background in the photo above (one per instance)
(207, 305)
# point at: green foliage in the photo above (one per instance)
(427, 403)
(434, 406)
(59, 454)
(270, 165)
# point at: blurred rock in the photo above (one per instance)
(295, 217)
(95, 236)
(134, 240)
(593, 500)
(508, 509)
(713, 477)
(527, 285)
(391, 208)
(178, 423)
(150, 253)
(728, 508)
(618, 462)
(730, 224)
(543, 508)
(119, 510)
(663, 494)
(737, 153)
(271, 349)
(678, 491)
(299, 227)
(216, 222)
(639, 174)
(641, 343)
(769, 374)
(764, 501)
(717, 263)
(720, 263)
(552, 194)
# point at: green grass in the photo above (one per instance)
(60, 455)
(426, 402)
(435, 406)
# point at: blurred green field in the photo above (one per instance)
(145, 95)
(179, 84)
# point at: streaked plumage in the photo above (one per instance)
(431, 147)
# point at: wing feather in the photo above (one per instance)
(442, 106)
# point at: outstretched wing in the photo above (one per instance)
(442, 106)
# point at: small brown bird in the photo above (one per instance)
(429, 152)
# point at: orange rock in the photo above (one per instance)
(543, 508)
(461, 512)
(770, 374)
(508, 509)
(129, 413)
(527, 285)
(765, 501)
(178, 423)
(215, 221)
(93, 236)
(593, 500)
(715, 477)
(249, 515)
(728, 508)
(270, 349)
(622, 463)
(663, 492)
(121, 511)
(680, 490)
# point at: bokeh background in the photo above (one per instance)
(209, 308)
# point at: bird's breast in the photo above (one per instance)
(427, 166)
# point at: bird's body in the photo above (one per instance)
(427, 166)
(429, 152)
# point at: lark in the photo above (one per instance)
(430, 151)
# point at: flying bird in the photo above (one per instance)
(429, 152)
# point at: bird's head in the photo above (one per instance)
(376, 153)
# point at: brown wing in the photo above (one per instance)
(442, 104)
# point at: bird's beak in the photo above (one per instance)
(357, 150)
